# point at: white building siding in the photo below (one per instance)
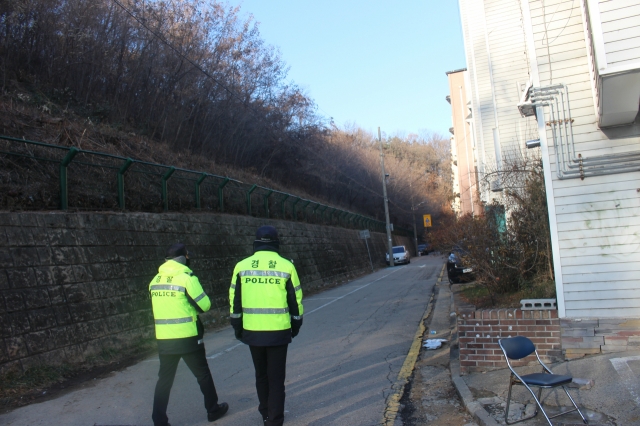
(493, 52)
(621, 31)
(598, 226)
(596, 220)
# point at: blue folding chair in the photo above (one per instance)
(520, 347)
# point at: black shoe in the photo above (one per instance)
(219, 412)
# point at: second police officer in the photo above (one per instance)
(177, 298)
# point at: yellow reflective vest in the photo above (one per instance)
(175, 317)
(263, 279)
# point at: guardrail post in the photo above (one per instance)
(283, 206)
(198, 183)
(221, 194)
(295, 217)
(128, 162)
(253, 188)
(64, 194)
(165, 195)
(266, 202)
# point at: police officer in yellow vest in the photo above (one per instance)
(266, 313)
(177, 298)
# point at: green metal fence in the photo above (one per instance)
(95, 172)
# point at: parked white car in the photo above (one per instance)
(400, 255)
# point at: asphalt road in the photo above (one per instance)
(340, 368)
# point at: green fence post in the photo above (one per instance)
(295, 217)
(165, 195)
(253, 188)
(64, 194)
(345, 214)
(331, 215)
(322, 213)
(304, 209)
(266, 202)
(313, 211)
(221, 194)
(283, 206)
(128, 162)
(198, 183)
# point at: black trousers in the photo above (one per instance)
(270, 364)
(197, 363)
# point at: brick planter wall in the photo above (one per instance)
(480, 330)
(75, 284)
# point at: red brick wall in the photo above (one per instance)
(480, 330)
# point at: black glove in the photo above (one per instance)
(238, 333)
(236, 323)
(295, 326)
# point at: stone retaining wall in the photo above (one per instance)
(480, 330)
(75, 284)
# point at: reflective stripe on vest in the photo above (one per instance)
(265, 274)
(174, 320)
(236, 315)
(168, 287)
(297, 288)
(265, 310)
(199, 297)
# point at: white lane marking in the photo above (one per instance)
(333, 299)
(320, 298)
(422, 266)
(216, 355)
(351, 292)
(627, 375)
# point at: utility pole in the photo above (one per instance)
(413, 214)
(386, 202)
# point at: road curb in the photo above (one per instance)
(393, 403)
(473, 407)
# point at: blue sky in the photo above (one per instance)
(369, 62)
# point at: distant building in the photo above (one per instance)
(565, 76)
(463, 151)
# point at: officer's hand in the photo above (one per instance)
(238, 333)
(295, 326)
(236, 323)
